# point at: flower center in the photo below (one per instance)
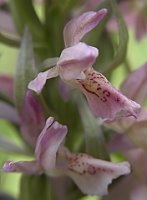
(95, 83)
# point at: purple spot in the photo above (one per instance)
(106, 92)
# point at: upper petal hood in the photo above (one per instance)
(48, 143)
(75, 59)
(79, 26)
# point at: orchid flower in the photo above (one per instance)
(136, 90)
(31, 118)
(133, 144)
(75, 68)
(91, 175)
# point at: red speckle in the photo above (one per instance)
(106, 92)
(118, 99)
(91, 170)
(103, 99)
(99, 88)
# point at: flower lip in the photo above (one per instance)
(104, 100)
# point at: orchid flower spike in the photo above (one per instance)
(91, 175)
(75, 68)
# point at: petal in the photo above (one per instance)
(121, 125)
(6, 85)
(92, 175)
(104, 100)
(79, 26)
(75, 59)
(48, 143)
(135, 86)
(27, 167)
(38, 83)
(32, 119)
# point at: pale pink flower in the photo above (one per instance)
(134, 87)
(91, 175)
(75, 68)
(133, 143)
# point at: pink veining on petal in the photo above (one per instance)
(93, 175)
(27, 167)
(75, 59)
(104, 100)
(75, 29)
(48, 143)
